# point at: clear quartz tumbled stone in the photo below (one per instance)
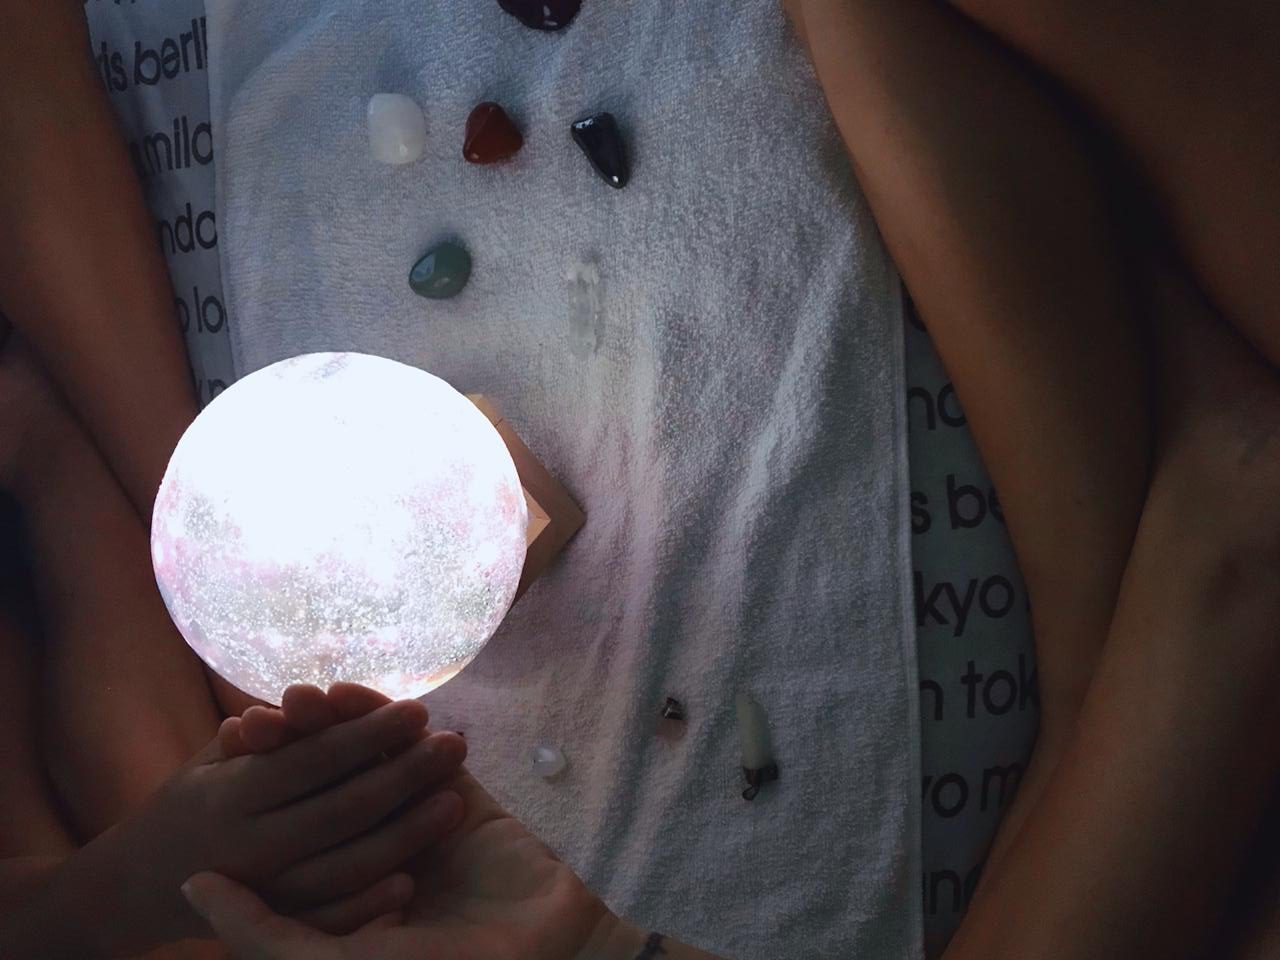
(397, 128)
(548, 761)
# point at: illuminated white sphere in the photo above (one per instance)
(339, 516)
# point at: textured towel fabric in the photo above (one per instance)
(711, 362)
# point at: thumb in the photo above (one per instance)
(243, 922)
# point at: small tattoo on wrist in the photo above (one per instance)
(652, 947)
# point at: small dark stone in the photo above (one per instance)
(600, 140)
(543, 14)
(491, 136)
(442, 272)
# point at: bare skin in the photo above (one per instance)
(104, 672)
(80, 275)
(1193, 467)
(31, 833)
(319, 826)
(491, 890)
(112, 662)
(1190, 92)
(1021, 288)
(1166, 768)
(928, 141)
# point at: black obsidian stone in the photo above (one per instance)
(543, 14)
(600, 140)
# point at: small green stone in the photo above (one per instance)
(442, 273)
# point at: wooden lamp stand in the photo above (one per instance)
(553, 516)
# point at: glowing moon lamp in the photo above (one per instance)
(339, 516)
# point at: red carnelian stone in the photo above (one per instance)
(491, 136)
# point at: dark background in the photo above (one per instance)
(11, 562)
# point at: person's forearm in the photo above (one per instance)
(33, 925)
(66, 910)
(1138, 838)
(101, 902)
(1162, 772)
(996, 218)
(81, 275)
(1141, 835)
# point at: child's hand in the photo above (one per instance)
(303, 710)
(490, 889)
(317, 827)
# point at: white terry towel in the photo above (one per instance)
(709, 359)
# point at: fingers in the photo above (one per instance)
(243, 922)
(378, 906)
(351, 808)
(264, 729)
(387, 921)
(230, 741)
(359, 863)
(317, 761)
(307, 710)
(214, 751)
(350, 700)
(304, 709)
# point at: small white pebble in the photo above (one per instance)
(548, 761)
(397, 128)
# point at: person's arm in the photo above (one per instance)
(81, 274)
(1133, 843)
(995, 216)
(1191, 91)
(490, 889)
(1136, 844)
(323, 826)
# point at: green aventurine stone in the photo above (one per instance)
(442, 273)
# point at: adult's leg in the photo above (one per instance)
(1132, 847)
(112, 660)
(81, 274)
(996, 217)
(32, 834)
(34, 840)
(1250, 929)
(1192, 91)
